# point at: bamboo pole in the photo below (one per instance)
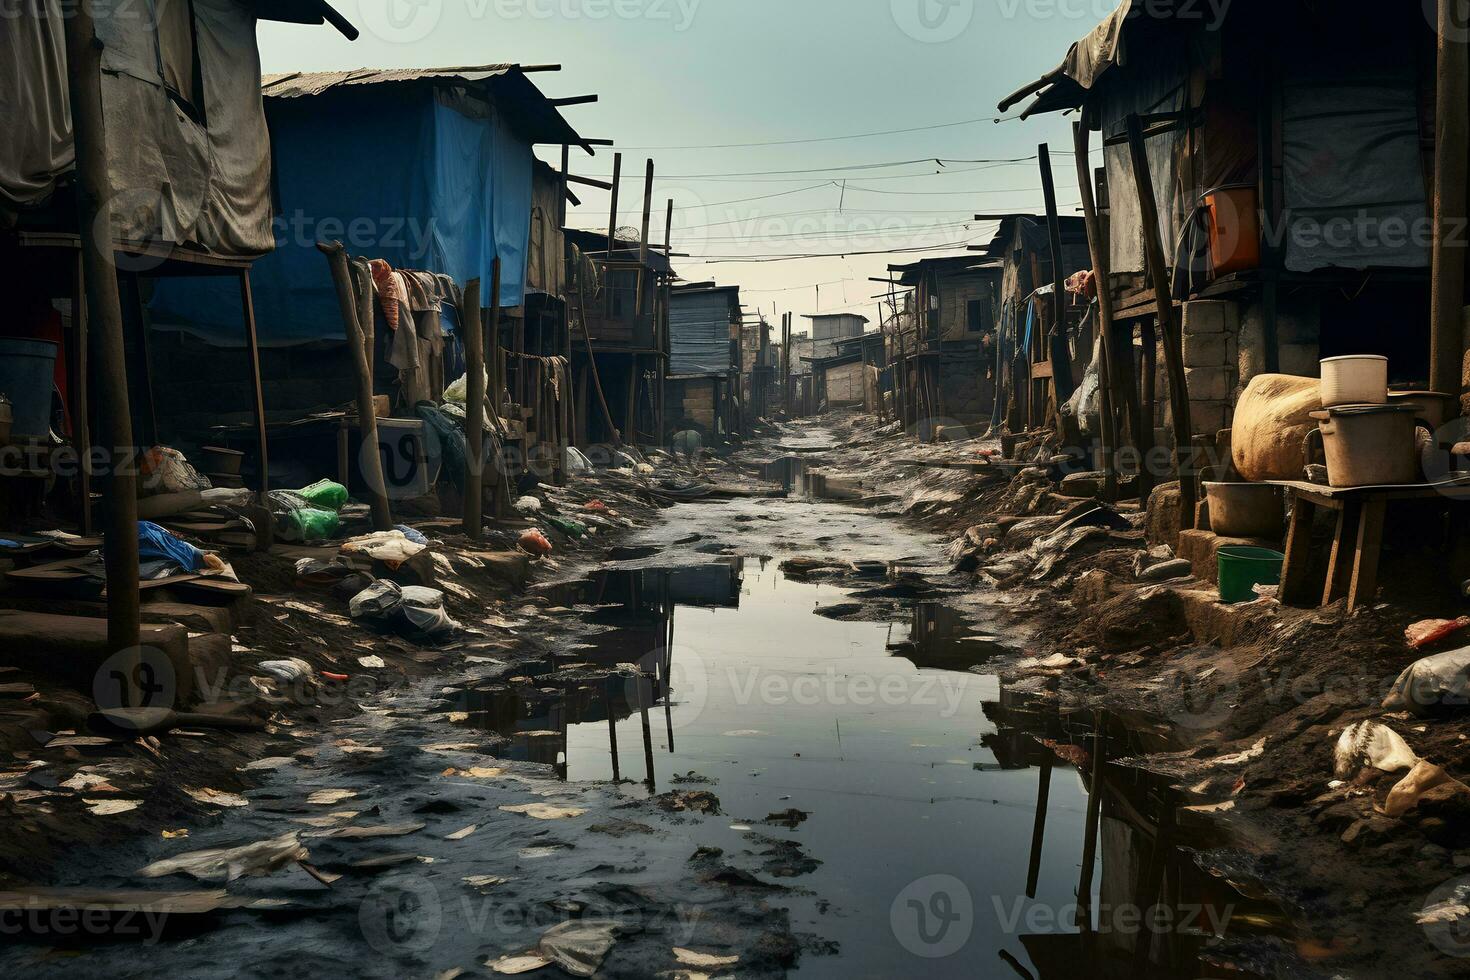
(1109, 388)
(104, 312)
(502, 481)
(1451, 146)
(643, 240)
(1168, 323)
(367, 416)
(1061, 356)
(474, 426)
(612, 228)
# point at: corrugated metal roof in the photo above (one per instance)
(534, 115)
(294, 84)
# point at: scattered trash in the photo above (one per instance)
(703, 961)
(1439, 681)
(576, 463)
(1166, 570)
(216, 797)
(1370, 744)
(463, 832)
(392, 548)
(292, 670)
(326, 797)
(249, 860)
(545, 811)
(411, 609)
(525, 963)
(371, 662)
(106, 808)
(578, 946)
(528, 505)
(595, 506)
(1406, 793)
(535, 542)
(1427, 631)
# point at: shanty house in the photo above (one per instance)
(1290, 151)
(190, 170)
(429, 173)
(1022, 369)
(945, 359)
(703, 386)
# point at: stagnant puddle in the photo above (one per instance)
(910, 778)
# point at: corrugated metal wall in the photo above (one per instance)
(699, 333)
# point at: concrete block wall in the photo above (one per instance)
(1211, 330)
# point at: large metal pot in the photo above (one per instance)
(1369, 445)
(1246, 510)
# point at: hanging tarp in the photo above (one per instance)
(421, 176)
(1353, 177)
(188, 165)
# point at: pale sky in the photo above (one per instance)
(695, 73)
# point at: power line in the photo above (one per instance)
(730, 259)
(820, 139)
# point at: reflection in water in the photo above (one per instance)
(1154, 912)
(908, 770)
(637, 605)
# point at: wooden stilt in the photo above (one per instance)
(1168, 323)
(120, 522)
(474, 355)
(1038, 827)
(257, 402)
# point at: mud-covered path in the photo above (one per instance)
(829, 794)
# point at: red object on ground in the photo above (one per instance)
(1428, 631)
(343, 678)
(535, 542)
(594, 505)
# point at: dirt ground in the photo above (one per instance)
(1251, 700)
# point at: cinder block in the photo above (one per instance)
(1205, 316)
(1208, 383)
(1207, 350)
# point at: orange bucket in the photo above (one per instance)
(1235, 229)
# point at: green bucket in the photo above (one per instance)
(1243, 568)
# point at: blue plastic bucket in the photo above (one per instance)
(26, 371)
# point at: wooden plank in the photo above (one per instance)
(1295, 589)
(1342, 557)
(1369, 548)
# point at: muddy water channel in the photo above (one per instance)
(813, 771)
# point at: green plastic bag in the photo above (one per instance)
(572, 529)
(311, 524)
(325, 495)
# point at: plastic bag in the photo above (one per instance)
(393, 548)
(413, 609)
(298, 520)
(1427, 631)
(528, 505)
(576, 463)
(535, 542)
(572, 529)
(154, 544)
(1370, 744)
(167, 470)
(1437, 682)
(325, 495)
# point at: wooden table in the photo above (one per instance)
(1357, 544)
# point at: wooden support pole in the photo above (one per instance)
(367, 416)
(257, 393)
(1168, 323)
(1094, 813)
(612, 728)
(1451, 146)
(104, 312)
(647, 729)
(592, 365)
(1110, 389)
(643, 242)
(1038, 826)
(1061, 355)
(474, 424)
(612, 228)
(502, 475)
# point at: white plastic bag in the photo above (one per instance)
(1440, 681)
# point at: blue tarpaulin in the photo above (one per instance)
(414, 175)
